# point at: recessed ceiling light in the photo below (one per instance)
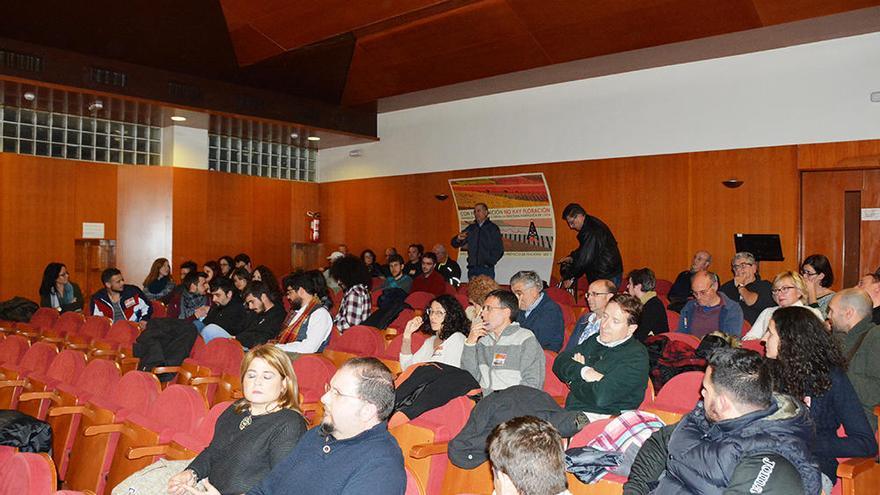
(178, 118)
(294, 135)
(314, 138)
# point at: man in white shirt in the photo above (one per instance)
(307, 328)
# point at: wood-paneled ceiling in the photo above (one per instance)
(400, 46)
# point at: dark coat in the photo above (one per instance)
(546, 322)
(597, 255)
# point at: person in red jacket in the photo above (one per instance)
(429, 280)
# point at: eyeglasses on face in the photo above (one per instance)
(492, 308)
(597, 294)
(334, 391)
(808, 273)
(434, 312)
(786, 288)
(742, 266)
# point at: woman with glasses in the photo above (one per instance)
(447, 326)
(789, 289)
(57, 291)
(817, 273)
(807, 363)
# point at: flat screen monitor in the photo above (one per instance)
(765, 247)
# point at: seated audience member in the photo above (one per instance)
(447, 326)
(740, 439)
(389, 252)
(710, 310)
(355, 282)
(185, 304)
(57, 291)
(227, 264)
(598, 295)
(850, 315)
(527, 458)
(120, 301)
(680, 291)
(413, 265)
(818, 276)
(498, 352)
(447, 267)
(159, 283)
(396, 279)
(329, 281)
(477, 289)
(608, 373)
(186, 267)
(352, 451)
(789, 289)
(368, 257)
(641, 284)
(242, 260)
(263, 274)
(429, 280)
(870, 283)
(227, 315)
(806, 362)
(753, 294)
(240, 279)
(253, 435)
(343, 248)
(262, 322)
(537, 312)
(321, 290)
(211, 269)
(307, 328)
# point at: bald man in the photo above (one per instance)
(709, 310)
(850, 315)
(680, 291)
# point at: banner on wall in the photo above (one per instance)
(521, 207)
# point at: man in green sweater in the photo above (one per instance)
(850, 314)
(608, 372)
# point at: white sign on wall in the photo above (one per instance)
(92, 230)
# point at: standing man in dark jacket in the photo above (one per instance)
(597, 255)
(484, 243)
(740, 439)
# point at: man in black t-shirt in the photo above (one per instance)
(752, 293)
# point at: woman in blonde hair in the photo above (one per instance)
(789, 289)
(256, 432)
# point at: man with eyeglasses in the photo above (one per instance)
(352, 451)
(429, 280)
(598, 295)
(709, 310)
(307, 328)
(747, 288)
(498, 352)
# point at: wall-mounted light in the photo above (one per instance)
(96, 105)
(313, 138)
(29, 96)
(178, 118)
(294, 135)
(441, 197)
(732, 183)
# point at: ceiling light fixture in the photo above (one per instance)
(30, 96)
(96, 106)
(313, 138)
(178, 118)
(294, 135)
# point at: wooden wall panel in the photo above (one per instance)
(870, 231)
(271, 225)
(767, 203)
(43, 202)
(842, 155)
(191, 206)
(229, 214)
(144, 215)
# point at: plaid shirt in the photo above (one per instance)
(354, 308)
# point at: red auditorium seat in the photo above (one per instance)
(12, 349)
(568, 319)
(672, 319)
(560, 295)
(313, 372)
(678, 396)
(65, 368)
(391, 354)
(159, 309)
(99, 431)
(93, 328)
(65, 414)
(67, 325)
(27, 474)
(186, 445)
(377, 283)
(44, 318)
(212, 360)
(463, 300)
(178, 409)
(358, 340)
(419, 300)
(116, 345)
(399, 323)
(36, 359)
(374, 299)
(662, 286)
(552, 384)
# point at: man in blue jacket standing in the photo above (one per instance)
(483, 240)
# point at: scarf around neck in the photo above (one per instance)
(291, 332)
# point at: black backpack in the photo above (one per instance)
(18, 309)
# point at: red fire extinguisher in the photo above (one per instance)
(314, 226)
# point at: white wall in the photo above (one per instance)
(819, 92)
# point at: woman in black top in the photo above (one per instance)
(255, 433)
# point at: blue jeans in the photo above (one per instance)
(473, 271)
(212, 331)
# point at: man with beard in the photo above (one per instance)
(740, 439)
(120, 301)
(227, 315)
(352, 451)
(307, 327)
(192, 301)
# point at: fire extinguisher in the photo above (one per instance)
(314, 226)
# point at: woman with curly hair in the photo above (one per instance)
(447, 326)
(807, 363)
(478, 288)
